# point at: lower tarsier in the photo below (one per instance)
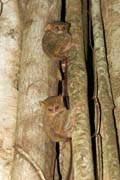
(56, 42)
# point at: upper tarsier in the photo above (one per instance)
(56, 42)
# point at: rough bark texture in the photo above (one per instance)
(85, 25)
(108, 136)
(38, 80)
(77, 86)
(111, 14)
(9, 68)
(66, 160)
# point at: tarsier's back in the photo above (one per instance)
(55, 39)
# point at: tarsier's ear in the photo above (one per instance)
(48, 27)
(42, 103)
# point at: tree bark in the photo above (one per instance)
(110, 14)
(77, 86)
(35, 154)
(9, 69)
(108, 154)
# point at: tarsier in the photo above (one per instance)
(56, 123)
(56, 42)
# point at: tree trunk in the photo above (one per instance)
(9, 67)
(77, 85)
(35, 154)
(106, 136)
(111, 20)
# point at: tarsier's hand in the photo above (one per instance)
(56, 40)
(55, 122)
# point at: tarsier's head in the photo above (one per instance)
(58, 27)
(53, 105)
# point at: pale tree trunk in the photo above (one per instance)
(111, 14)
(9, 68)
(106, 142)
(35, 154)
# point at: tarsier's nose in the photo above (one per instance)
(54, 110)
(60, 32)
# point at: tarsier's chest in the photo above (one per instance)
(56, 121)
(55, 127)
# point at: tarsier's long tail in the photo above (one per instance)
(64, 66)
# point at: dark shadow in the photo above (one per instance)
(59, 88)
(57, 159)
(90, 76)
(116, 133)
(63, 10)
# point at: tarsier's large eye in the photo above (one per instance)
(63, 28)
(56, 107)
(50, 109)
(57, 28)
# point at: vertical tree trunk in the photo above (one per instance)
(111, 20)
(110, 167)
(9, 67)
(77, 85)
(35, 154)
